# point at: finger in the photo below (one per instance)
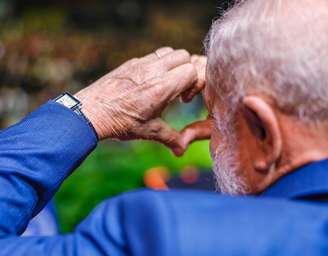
(196, 57)
(161, 52)
(158, 130)
(175, 82)
(131, 62)
(191, 93)
(200, 130)
(200, 64)
(173, 59)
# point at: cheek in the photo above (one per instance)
(214, 143)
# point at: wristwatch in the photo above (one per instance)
(68, 100)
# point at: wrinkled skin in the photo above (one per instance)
(127, 103)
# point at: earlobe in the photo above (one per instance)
(270, 136)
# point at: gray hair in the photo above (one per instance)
(278, 47)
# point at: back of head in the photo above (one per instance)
(278, 47)
(267, 91)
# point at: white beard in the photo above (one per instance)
(226, 168)
(226, 162)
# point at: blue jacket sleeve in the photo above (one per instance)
(36, 155)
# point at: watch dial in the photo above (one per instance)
(67, 101)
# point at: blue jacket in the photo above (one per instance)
(37, 154)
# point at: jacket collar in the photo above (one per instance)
(309, 180)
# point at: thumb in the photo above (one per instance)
(157, 130)
(178, 142)
(200, 130)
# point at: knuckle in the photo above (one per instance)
(131, 61)
(184, 53)
(194, 58)
(165, 48)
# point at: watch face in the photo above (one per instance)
(67, 101)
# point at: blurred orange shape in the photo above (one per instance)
(155, 178)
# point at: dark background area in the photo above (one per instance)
(47, 47)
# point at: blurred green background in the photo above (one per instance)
(47, 47)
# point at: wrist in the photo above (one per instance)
(74, 104)
(91, 113)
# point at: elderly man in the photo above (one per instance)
(266, 97)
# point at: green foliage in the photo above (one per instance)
(114, 168)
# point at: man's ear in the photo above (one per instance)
(263, 123)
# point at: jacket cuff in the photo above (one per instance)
(65, 139)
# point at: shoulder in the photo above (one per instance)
(201, 223)
(174, 201)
